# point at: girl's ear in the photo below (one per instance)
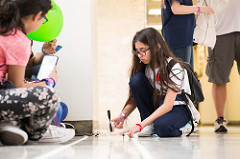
(37, 16)
(159, 46)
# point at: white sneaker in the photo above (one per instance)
(56, 134)
(11, 134)
(147, 131)
(188, 127)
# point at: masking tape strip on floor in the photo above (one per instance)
(54, 152)
(144, 152)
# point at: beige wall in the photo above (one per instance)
(117, 23)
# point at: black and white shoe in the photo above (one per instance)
(220, 125)
(11, 134)
(67, 125)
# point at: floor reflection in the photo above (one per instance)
(203, 144)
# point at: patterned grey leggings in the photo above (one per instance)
(33, 108)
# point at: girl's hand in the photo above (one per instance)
(49, 47)
(131, 131)
(118, 122)
(206, 10)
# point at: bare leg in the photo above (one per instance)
(219, 93)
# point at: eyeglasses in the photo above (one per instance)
(141, 52)
(45, 20)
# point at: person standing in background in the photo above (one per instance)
(178, 22)
(221, 58)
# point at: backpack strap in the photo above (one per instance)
(170, 66)
(189, 113)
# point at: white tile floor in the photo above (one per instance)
(204, 144)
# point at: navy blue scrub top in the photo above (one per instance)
(177, 29)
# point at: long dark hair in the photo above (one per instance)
(11, 12)
(159, 52)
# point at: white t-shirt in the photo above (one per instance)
(181, 80)
(228, 20)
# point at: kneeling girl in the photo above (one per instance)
(154, 89)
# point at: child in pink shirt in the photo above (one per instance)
(26, 110)
(14, 50)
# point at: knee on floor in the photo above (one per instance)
(164, 129)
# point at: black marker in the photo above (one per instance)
(109, 118)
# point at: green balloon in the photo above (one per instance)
(52, 28)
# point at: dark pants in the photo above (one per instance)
(167, 125)
(184, 53)
(32, 71)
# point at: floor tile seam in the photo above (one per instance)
(54, 152)
(144, 152)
